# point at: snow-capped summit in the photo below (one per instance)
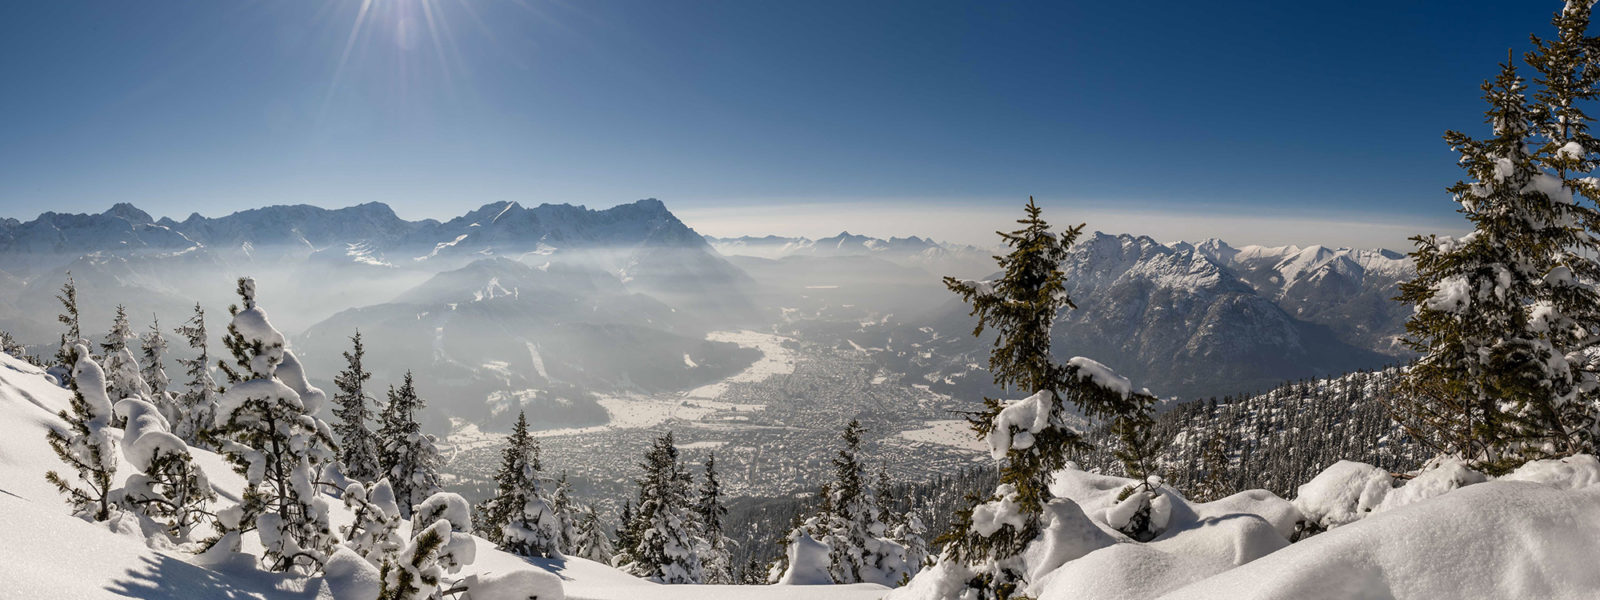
(1347, 289)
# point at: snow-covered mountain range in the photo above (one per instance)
(551, 302)
(909, 251)
(470, 302)
(1189, 319)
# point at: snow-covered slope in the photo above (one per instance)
(50, 554)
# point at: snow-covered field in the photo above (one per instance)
(775, 360)
(955, 433)
(634, 411)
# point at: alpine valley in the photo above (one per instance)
(601, 323)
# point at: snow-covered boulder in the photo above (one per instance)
(1279, 513)
(1568, 473)
(1436, 479)
(348, 576)
(808, 562)
(1342, 494)
(521, 584)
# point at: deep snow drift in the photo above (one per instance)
(1448, 532)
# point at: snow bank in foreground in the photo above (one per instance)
(1441, 533)
(1502, 539)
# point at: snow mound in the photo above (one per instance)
(515, 585)
(808, 563)
(1502, 539)
(1343, 493)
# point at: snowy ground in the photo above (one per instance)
(775, 360)
(954, 433)
(50, 554)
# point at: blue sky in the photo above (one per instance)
(1255, 121)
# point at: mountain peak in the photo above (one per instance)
(652, 204)
(130, 213)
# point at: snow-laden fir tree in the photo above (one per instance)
(169, 487)
(266, 428)
(198, 402)
(1136, 448)
(65, 360)
(441, 544)
(905, 528)
(123, 378)
(561, 505)
(87, 445)
(627, 532)
(799, 524)
(1214, 463)
(716, 552)
(664, 549)
(589, 539)
(851, 525)
(374, 529)
(408, 456)
(358, 448)
(1030, 437)
(521, 518)
(153, 351)
(1505, 315)
(9, 345)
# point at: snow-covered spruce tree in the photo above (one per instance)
(375, 520)
(799, 525)
(9, 345)
(904, 528)
(589, 539)
(1505, 314)
(1030, 436)
(1142, 511)
(123, 378)
(169, 488)
(851, 524)
(754, 572)
(266, 429)
(520, 516)
(627, 533)
(408, 456)
(716, 552)
(561, 505)
(1214, 463)
(1136, 448)
(153, 349)
(440, 545)
(65, 360)
(664, 551)
(87, 446)
(358, 448)
(198, 403)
